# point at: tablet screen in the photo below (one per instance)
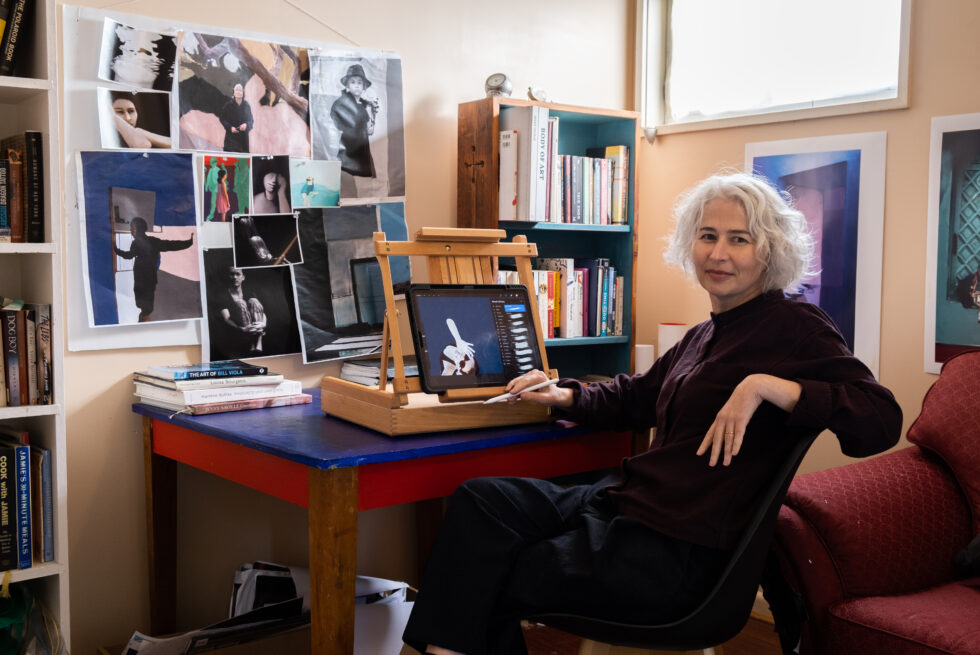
(471, 335)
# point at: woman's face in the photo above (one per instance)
(355, 86)
(125, 109)
(725, 255)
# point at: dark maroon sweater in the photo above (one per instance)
(671, 489)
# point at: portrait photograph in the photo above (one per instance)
(358, 120)
(139, 237)
(838, 182)
(270, 185)
(952, 313)
(226, 187)
(243, 96)
(265, 240)
(134, 120)
(314, 183)
(137, 58)
(339, 294)
(249, 312)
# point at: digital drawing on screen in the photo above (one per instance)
(243, 96)
(952, 312)
(139, 248)
(358, 120)
(249, 312)
(837, 183)
(339, 294)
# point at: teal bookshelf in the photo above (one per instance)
(580, 128)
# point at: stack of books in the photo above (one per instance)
(213, 387)
(25, 353)
(368, 371)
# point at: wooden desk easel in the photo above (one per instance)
(455, 256)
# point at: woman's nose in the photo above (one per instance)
(720, 251)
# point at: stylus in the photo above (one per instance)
(533, 387)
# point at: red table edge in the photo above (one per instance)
(391, 483)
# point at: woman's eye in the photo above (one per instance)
(706, 236)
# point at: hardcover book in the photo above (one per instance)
(4, 209)
(19, 469)
(13, 34)
(208, 383)
(507, 201)
(8, 510)
(225, 368)
(231, 405)
(29, 148)
(197, 396)
(11, 355)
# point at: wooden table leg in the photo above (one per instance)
(333, 559)
(161, 534)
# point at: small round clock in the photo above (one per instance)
(498, 84)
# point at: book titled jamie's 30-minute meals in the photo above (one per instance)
(227, 368)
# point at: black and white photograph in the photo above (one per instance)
(339, 294)
(137, 58)
(358, 120)
(134, 120)
(270, 185)
(266, 240)
(250, 312)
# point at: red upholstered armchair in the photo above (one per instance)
(870, 546)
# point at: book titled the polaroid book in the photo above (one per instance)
(226, 368)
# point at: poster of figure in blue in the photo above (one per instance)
(138, 221)
(838, 185)
(339, 294)
(953, 258)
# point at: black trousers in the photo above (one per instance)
(512, 547)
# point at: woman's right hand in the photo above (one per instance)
(553, 396)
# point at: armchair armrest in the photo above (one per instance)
(885, 525)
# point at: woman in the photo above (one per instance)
(728, 401)
(222, 203)
(354, 117)
(125, 117)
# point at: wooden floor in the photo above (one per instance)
(758, 638)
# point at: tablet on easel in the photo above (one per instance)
(469, 336)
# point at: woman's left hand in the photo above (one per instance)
(724, 437)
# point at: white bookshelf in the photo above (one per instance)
(33, 272)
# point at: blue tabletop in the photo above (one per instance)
(304, 434)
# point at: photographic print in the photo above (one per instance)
(266, 240)
(250, 312)
(314, 183)
(952, 311)
(270, 185)
(136, 57)
(134, 120)
(339, 295)
(838, 182)
(357, 119)
(238, 95)
(139, 248)
(227, 183)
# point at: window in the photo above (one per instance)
(715, 63)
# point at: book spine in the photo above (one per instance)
(615, 154)
(597, 192)
(47, 505)
(550, 277)
(22, 365)
(507, 201)
(37, 518)
(541, 296)
(255, 403)
(44, 366)
(221, 373)
(620, 296)
(30, 334)
(3, 374)
(22, 466)
(555, 214)
(541, 165)
(566, 187)
(576, 189)
(196, 396)
(33, 187)
(547, 167)
(11, 356)
(235, 381)
(604, 306)
(11, 36)
(8, 510)
(15, 194)
(575, 312)
(4, 194)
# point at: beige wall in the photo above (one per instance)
(578, 50)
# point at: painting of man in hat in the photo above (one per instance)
(355, 118)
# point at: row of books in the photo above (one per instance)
(22, 188)
(368, 371)
(26, 502)
(214, 387)
(538, 183)
(15, 16)
(576, 297)
(26, 370)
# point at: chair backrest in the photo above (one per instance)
(726, 609)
